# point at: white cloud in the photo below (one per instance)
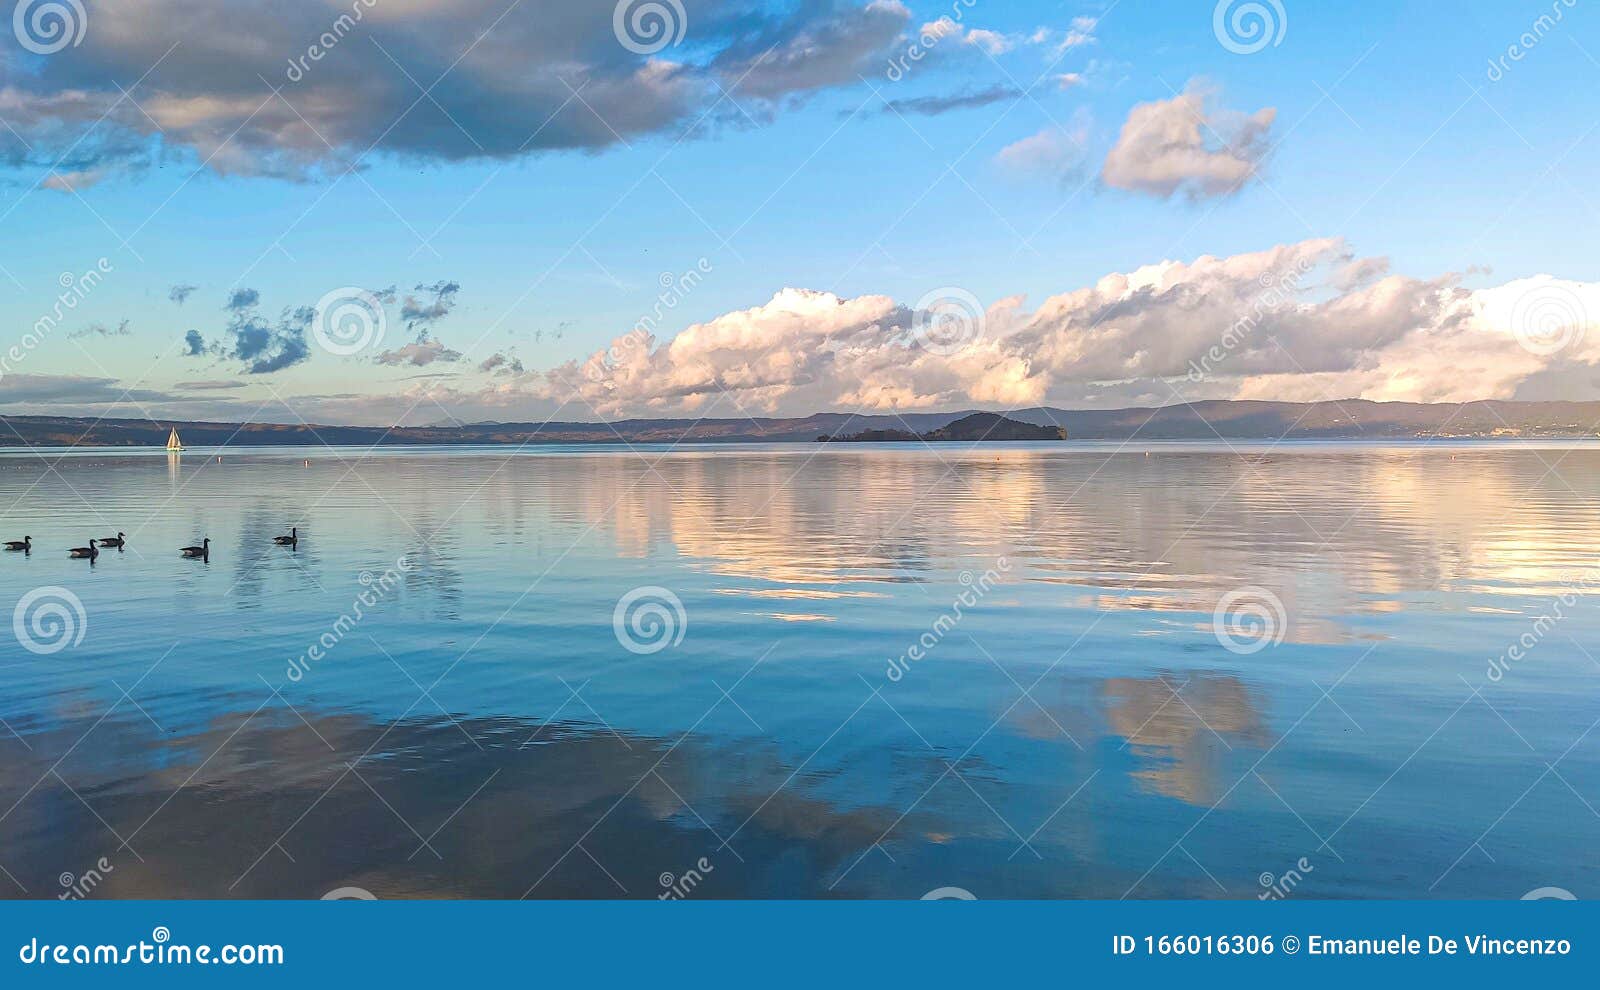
(1281, 323)
(1188, 144)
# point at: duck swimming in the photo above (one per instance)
(25, 544)
(119, 541)
(290, 540)
(88, 551)
(203, 550)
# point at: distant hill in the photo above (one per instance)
(976, 427)
(1354, 419)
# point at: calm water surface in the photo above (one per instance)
(1070, 725)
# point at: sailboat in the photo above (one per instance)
(173, 443)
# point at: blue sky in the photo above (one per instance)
(1388, 132)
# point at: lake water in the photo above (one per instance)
(804, 671)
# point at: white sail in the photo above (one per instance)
(173, 443)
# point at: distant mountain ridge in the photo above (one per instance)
(979, 426)
(1355, 419)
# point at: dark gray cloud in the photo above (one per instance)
(501, 363)
(101, 330)
(180, 293)
(932, 106)
(243, 299)
(421, 314)
(209, 386)
(194, 344)
(501, 80)
(266, 347)
(47, 390)
(418, 355)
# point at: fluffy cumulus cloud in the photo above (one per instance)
(1300, 321)
(350, 76)
(1190, 145)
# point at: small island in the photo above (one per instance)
(968, 429)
